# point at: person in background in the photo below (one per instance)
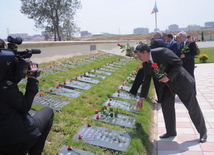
(172, 44)
(187, 51)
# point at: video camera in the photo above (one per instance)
(12, 62)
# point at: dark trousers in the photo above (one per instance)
(138, 81)
(188, 97)
(44, 119)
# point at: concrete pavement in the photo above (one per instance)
(187, 140)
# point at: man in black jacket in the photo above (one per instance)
(20, 132)
(165, 67)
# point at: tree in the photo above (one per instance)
(52, 15)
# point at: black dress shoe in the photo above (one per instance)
(166, 135)
(203, 137)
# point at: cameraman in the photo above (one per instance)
(21, 133)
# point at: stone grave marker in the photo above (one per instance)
(107, 69)
(125, 95)
(48, 101)
(67, 65)
(126, 88)
(121, 119)
(121, 104)
(103, 137)
(94, 75)
(46, 71)
(100, 72)
(58, 68)
(66, 151)
(64, 92)
(87, 79)
(76, 85)
(111, 67)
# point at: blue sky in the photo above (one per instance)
(115, 16)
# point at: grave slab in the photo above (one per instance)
(87, 80)
(125, 95)
(123, 105)
(76, 85)
(64, 92)
(46, 71)
(101, 72)
(73, 151)
(103, 137)
(94, 75)
(111, 67)
(67, 65)
(58, 68)
(107, 69)
(127, 88)
(48, 101)
(121, 120)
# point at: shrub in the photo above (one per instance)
(203, 57)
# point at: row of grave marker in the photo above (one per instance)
(111, 139)
(104, 137)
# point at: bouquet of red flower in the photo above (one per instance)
(159, 71)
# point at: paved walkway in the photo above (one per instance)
(187, 140)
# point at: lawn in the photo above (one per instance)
(209, 52)
(80, 110)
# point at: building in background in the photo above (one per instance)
(85, 33)
(173, 28)
(209, 24)
(141, 30)
(193, 27)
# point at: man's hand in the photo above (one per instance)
(140, 103)
(33, 67)
(164, 79)
(182, 56)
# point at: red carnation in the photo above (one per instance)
(154, 65)
(118, 91)
(109, 104)
(121, 88)
(71, 80)
(118, 44)
(110, 99)
(41, 94)
(96, 111)
(64, 82)
(89, 124)
(97, 117)
(51, 90)
(118, 94)
(58, 86)
(80, 136)
(69, 147)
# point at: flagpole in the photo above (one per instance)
(155, 21)
(156, 17)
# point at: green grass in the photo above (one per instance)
(207, 51)
(80, 110)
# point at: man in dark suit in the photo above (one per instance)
(187, 51)
(172, 44)
(158, 42)
(174, 80)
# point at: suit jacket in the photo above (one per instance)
(173, 46)
(158, 43)
(178, 76)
